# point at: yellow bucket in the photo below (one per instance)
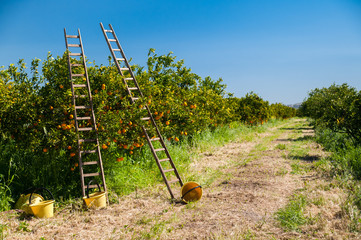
(95, 200)
(191, 192)
(44, 209)
(34, 203)
(23, 202)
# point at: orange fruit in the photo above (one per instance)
(69, 147)
(72, 154)
(103, 86)
(120, 159)
(104, 146)
(45, 150)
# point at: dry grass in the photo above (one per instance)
(243, 188)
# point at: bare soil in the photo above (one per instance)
(244, 185)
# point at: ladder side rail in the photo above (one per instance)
(125, 59)
(100, 162)
(75, 115)
(158, 163)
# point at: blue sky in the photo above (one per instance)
(280, 49)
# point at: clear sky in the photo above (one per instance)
(280, 49)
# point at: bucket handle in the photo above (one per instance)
(87, 188)
(37, 189)
(199, 186)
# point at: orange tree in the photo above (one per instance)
(337, 107)
(280, 111)
(253, 109)
(37, 119)
(37, 116)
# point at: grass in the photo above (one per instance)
(126, 177)
(280, 146)
(291, 217)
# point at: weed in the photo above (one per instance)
(281, 172)
(24, 227)
(3, 228)
(319, 201)
(281, 146)
(291, 217)
(248, 235)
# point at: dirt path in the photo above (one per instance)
(244, 184)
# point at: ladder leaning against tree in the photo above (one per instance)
(135, 93)
(90, 159)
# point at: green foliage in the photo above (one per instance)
(280, 111)
(5, 195)
(253, 109)
(337, 108)
(38, 140)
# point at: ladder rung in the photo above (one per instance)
(168, 170)
(127, 79)
(154, 139)
(85, 129)
(74, 54)
(83, 118)
(76, 64)
(124, 69)
(90, 163)
(120, 59)
(135, 98)
(73, 45)
(88, 151)
(91, 174)
(105, 30)
(79, 85)
(72, 36)
(159, 149)
(112, 40)
(78, 75)
(82, 107)
(173, 181)
(80, 96)
(87, 140)
(164, 160)
(145, 118)
(92, 186)
(116, 50)
(133, 88)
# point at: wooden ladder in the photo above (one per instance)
(135, 93)
(85, 124)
